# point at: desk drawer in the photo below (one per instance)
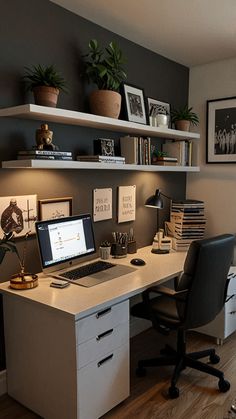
(230, 316)
(101, 321)
(103, 384)
(107, 341)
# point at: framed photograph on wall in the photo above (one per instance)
(221, 131)
(156, 107)
(55, 208)
(134, 103)
(18, 214)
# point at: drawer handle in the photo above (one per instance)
(103, 335)
(229, 298)
(232, 312)
(100, 363)
(103, 312)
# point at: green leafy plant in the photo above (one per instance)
(185, 114)
(7, 245)
(104, 67)
(43, 76)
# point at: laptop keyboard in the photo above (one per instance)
(87, 270)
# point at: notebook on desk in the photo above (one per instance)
(64, 243)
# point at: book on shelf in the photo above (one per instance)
(165, 163)
(181, 150)
(35, 152)
(102, 159)
(166, 158)
(42, 157)
(136, 150)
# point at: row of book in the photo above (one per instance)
(136, 150)
(181, 150)
(187, 223)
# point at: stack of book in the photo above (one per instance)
(181, 150)
(102, 159)
(187, 223)
(44, 155)
(136, 150)
(166, 161)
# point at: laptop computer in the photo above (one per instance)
(66, 242)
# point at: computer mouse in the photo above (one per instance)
(138, 262)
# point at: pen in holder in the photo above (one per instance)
(119, 247)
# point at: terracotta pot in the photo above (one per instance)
(182, 125)
(46, 96)
(105, 103)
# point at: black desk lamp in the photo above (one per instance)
(160, 245)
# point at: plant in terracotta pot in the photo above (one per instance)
(104, 68)
(45, 83)
(183, 118)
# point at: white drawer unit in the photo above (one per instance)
(225, 322)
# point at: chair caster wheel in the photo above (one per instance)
(141, 372)
(214, 359)
(223, 385)
(173, 392)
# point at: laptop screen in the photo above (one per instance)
(64, 239)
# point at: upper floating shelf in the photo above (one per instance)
(68, 117)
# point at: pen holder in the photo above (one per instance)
(104, 252)
(118, 250)
(132, 247)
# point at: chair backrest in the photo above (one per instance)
(205, 275)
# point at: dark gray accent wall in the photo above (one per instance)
(38, 31)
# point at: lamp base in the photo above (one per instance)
(23, 281)
(160, 252)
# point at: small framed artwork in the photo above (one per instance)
(126, 203)
(221, 131)
(156, 107)
(102, 204)
(55, 208)
(18, 214)
(134, 103)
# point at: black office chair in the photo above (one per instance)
(199, 295)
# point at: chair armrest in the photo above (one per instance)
(160, 289)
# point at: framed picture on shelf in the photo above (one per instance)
(18, 214)
(134, 103)
(156, 107)
(221, 131)
(55, 208)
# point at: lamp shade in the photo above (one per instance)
(155, 201)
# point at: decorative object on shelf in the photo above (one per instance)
(102, 204)
(221, 131)
(134, 103)
(18, 214)
(55, 208)
(126, 203)
(22, 280)
(104, 147)
(104, 68)
(44, 138)
(105, 250)
(183, 118)
(45, 83)
(159, 113)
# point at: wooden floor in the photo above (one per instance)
(199, 394)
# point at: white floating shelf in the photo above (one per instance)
(68, 117)
(59, 164)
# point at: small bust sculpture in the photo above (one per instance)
(44, 138)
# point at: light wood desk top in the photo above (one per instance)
(78, 301)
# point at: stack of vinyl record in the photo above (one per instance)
(187, 223)
(44, 155)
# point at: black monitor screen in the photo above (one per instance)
(63, 239)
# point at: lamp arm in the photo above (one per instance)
(161, 193)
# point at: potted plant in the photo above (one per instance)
(183, 118)
(104, 68)
(45, 83)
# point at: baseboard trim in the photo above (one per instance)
(3, 382)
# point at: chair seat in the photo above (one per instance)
(164, 309)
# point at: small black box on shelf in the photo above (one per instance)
(104, 147)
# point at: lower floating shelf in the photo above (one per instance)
(59, 164)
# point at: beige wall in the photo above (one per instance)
(213, 81)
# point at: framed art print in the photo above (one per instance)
(221, 131)
(55, 208)
(18, 214)
(102, 204)
(156, 107)
(126, 203)
(134, 103)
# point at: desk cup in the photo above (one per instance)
(119, 250)
(104, 252)
(132, 247)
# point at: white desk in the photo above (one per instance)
(67, 349)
